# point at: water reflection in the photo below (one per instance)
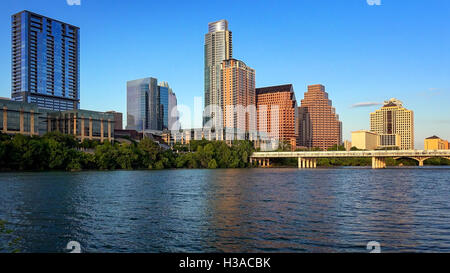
(270, 210)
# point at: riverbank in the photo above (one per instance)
(56, 151)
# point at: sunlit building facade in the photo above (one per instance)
(237, 82)
(319, 124)
(277, 113)
(394, 124)
(28, 119)
(45, 62)
(218, 47)
(436, 143)
(364, 140)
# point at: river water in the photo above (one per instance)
(233, 210)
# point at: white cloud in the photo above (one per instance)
(366, 104)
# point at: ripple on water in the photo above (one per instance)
(268, 210)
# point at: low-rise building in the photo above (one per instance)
(364, 140)
(436, 143)
(185, 136)
(27, 119)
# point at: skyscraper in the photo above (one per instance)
(45, 62)
(391, 122)
(163, 117)
(278, 113)
(317, 113)
(137, 104)
(218, 47)
(148, 105)
(239, 101)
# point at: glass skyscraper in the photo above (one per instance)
(45, 62)
(164, 105)
(218, 47)
(148, 105)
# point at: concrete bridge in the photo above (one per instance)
(308, 159)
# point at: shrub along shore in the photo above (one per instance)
(56, 151)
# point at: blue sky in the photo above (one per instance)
(361, 53)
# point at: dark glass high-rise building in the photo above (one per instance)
(164, 105)
(147, 105)
(45, 62)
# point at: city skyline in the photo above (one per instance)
(380, 75)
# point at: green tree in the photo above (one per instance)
(149, 152)
(212, 164)
(106, 156)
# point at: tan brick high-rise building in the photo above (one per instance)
(391, 120)
(239, 102)
(319, 124)
(278, 113)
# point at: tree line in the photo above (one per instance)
(56, 151)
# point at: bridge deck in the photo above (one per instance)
(318, 154)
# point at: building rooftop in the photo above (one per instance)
(273, 89)
(221, 25)
(365, 131)
(39, 15)
(393, 103)
(433, 137)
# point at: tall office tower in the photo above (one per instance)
(163, 115)
(237, 82)
(45, 62)
(277, 113)
(148, 105)
(393, 122)
(137, 104)
(218, 47)
(325, 129)
(142, 104)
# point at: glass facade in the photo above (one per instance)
(147, 105)
(218, 47)
(45, 62)
(164, 107)
(137, 104)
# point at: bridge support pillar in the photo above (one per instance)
(420, 160)
(378, 163)
(307, 163)
(302, 163)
